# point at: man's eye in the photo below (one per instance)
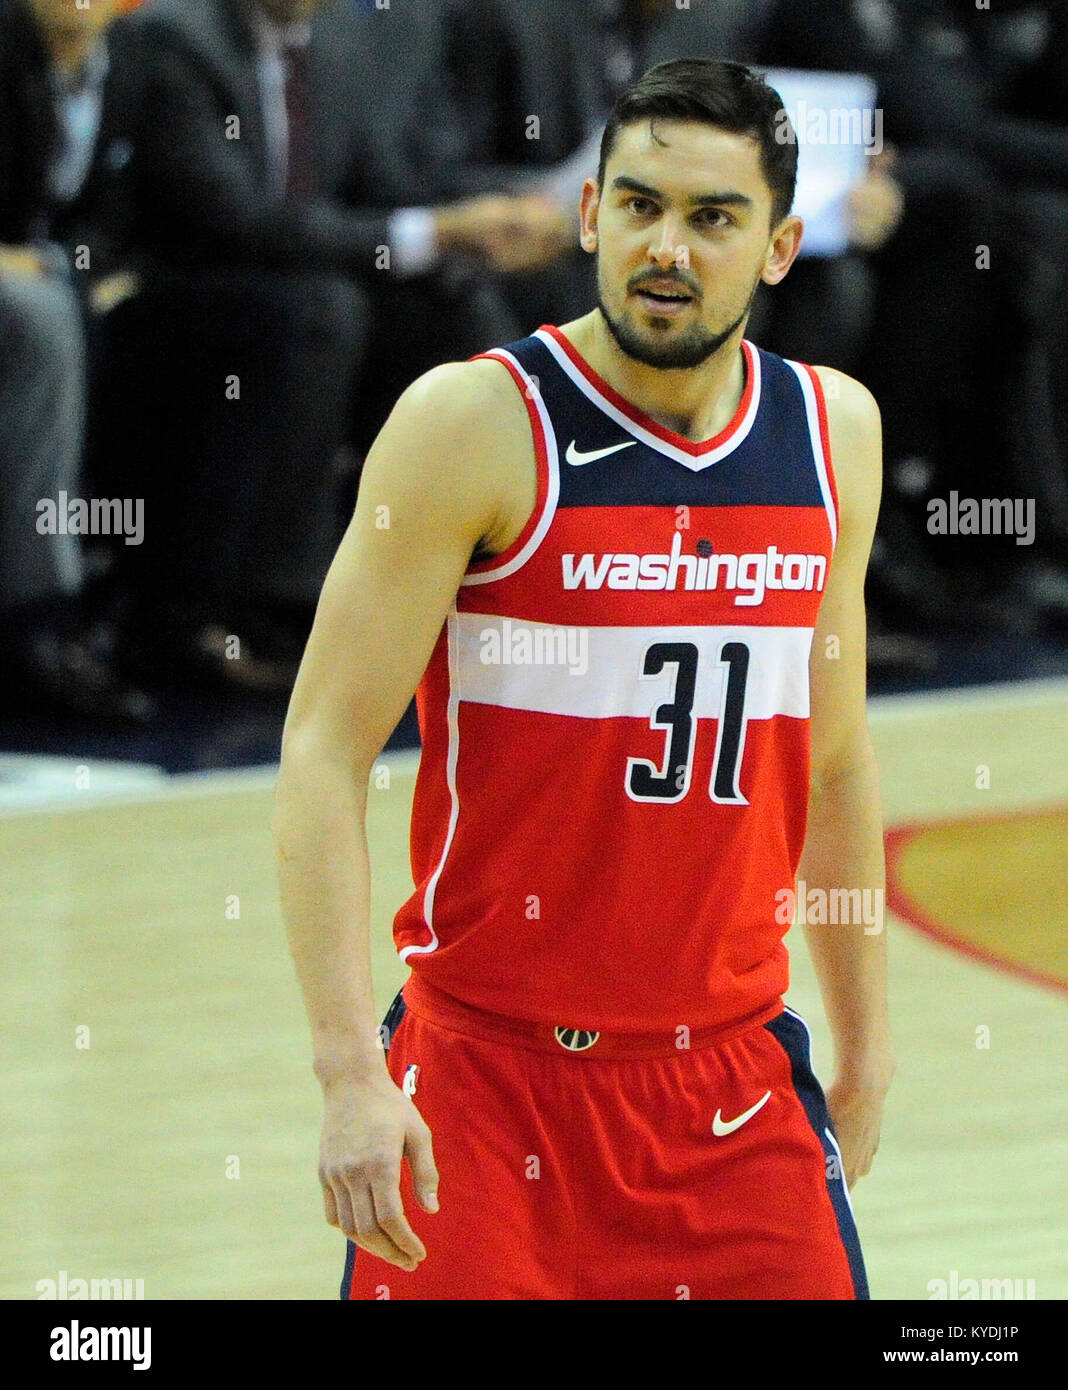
(713, 217)
(640, 206)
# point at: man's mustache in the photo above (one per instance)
(664, 275)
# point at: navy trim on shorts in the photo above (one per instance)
(390, 1024)
(791, 1033)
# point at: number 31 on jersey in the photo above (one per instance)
(645, 781)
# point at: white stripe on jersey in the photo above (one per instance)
(550, 680)
(453, 721)
(812, 411)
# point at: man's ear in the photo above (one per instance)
(783, 250)
(588, 209)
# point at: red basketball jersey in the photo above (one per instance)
(613, 786)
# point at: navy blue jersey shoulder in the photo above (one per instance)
(773, 466)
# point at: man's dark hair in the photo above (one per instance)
(727, 95)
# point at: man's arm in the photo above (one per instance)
(432, 486)
(844, 847)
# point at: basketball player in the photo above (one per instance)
(623, 560)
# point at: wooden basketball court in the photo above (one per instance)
(161, 1117)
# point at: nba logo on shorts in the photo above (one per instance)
(408, 1084)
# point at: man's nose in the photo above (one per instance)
(666, 243)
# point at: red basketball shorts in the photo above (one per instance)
(572, 1169)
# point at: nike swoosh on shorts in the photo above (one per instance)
(722, 1126)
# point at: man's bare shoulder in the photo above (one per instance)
(476, 399)
(848, 399)
(855, 427)
(459, 440)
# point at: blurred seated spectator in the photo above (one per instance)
(956, 310)
(1024, 137)
(53, 62)
(304, 251)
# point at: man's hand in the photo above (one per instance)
(21, 260)
(511, 233)
(877, 205)
(111, 290)
(368, 1126)
(855, 1100)
(468, 227)
(534, 233)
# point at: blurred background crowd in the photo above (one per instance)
(232, 231)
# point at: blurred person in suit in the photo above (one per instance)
(980, 167)
(54, 138)
(305, 244)
(1022, 133)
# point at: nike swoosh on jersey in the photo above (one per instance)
(722, 1126)
(576, 456)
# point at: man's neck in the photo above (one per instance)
(696, 402)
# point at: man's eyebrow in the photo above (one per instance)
(728, 198)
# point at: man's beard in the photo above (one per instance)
(686, 350)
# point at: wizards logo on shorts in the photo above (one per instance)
(575, 1039)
